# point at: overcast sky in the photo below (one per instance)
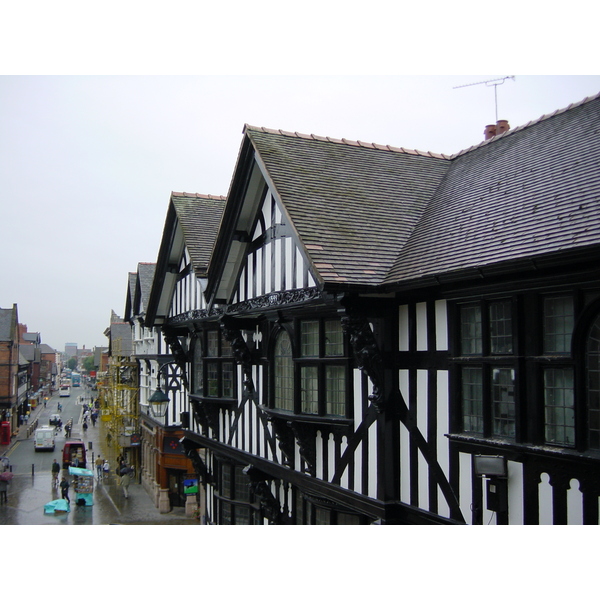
(89, 154)
(87, 163)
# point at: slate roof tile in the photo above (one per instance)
(349, 202)
(200, 216)
(532, 191)
(370, 214)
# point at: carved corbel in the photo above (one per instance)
(200, 467)
(285, 437)
(241, 352)
(305, 436)
(179, 355)
(207, 415)
(366, 353)
(269, 505)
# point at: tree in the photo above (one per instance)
(72, 363)
(88, 364)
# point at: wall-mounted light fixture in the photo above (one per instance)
(159, 402)
(490, 466)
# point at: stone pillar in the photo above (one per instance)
(164, 506)
(191, 504)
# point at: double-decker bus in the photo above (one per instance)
(76, 379)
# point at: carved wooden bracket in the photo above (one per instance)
(241, 352)
(285, 437)
(200, 467)
(207, 416)
(366, 353)
(261, 489)
(305, 435)
(179, 354)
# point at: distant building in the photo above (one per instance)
(71, 350)
(10, 383)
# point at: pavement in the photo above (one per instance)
(30, 492)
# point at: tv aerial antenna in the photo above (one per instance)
(489, 82)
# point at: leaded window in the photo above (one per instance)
(233, 496)
(214, 368)
(559, 407)
(284, 373)
(487, 390)
(321, 369)
(593, 385)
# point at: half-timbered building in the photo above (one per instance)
(177, 289)
(392, 336)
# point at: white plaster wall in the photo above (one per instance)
(441, 325)
(403, 328)
(515, 493)
(421, 310)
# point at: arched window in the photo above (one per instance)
(284, 372)
(593, 385)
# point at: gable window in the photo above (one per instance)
(320, 367)
(487, 381)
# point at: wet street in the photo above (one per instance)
(31, 487)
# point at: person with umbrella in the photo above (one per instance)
(125, 480)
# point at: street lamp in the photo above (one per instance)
(159, 402)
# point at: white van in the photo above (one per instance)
(44, 439)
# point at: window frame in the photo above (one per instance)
(320, 362)
(486, 361)
(533, 359)
(229, 502)
(222, 359)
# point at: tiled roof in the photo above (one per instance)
(531, 191)
(200, 216)
(369, 214)
(7, 324)
(353, 205)
(146, 276)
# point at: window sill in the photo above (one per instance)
(471, 443)
(229, 402)
(306, 418)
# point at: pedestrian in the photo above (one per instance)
(85, 426)
(55, 472)
(64, 489)
(125, 481)
(99, 463)
(3, 490)
(105, 469)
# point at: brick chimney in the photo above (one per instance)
(491, 131)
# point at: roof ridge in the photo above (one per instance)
(194, 195)
(529, 124)
(375, 146)
(345, 142)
